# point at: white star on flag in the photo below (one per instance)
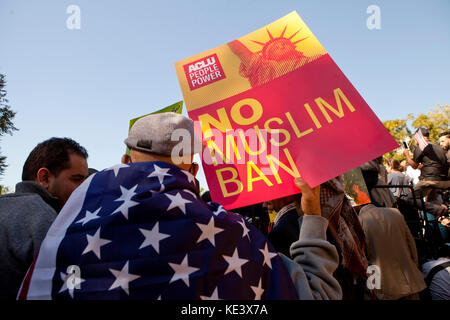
(94, 243)
(123, 278)
(89, 216)
(258, 290)
(116, 168)
(189, 176)
(126, 196)
(235, 263)
(245, 230)
(191, 193)
(214, 296)
(219, 210)
(267, 256)
(153, 237)
(160, 173)
(77, 281)
(209, 231)
(177, 201)
(182, 271)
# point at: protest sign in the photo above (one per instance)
(273, 105)
(176, 107)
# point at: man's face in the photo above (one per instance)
(69, 179)
(278, 204)
(444, 142)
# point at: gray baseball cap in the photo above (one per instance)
(159, 133)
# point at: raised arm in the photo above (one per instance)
(314, 259)
(411, 162)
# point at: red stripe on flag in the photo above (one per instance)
(26, 282)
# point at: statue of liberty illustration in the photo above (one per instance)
(277, 57)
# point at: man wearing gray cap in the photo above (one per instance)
(157, 138)
(140, 230)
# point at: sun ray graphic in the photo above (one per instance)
(270, 35)
(260, 43)
(284, 30)
(272, 40)
(299, 40)
(293, 35)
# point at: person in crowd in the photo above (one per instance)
(270, 213)
(388, 165)
(140, 230)
(434, 172)
(344, 231)
(397, 177)
(413, 174)
(445, 221)
(53, 169)
(383, 196)
(403, 166)
(437, 275)
(285, 229)
(444, 142)
(383, 172)
(390, 247)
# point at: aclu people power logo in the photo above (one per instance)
(203, 72)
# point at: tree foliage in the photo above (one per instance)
(436, 121)
(5, 189)
(398, 129)
(6, 117)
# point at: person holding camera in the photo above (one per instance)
(434, 171)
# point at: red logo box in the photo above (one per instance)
(203, 72)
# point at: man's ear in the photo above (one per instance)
(43, 177)
(126, 159)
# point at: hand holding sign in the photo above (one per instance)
(310, 198)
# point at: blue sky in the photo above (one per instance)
(86, 84)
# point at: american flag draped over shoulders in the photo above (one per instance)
(141, 231)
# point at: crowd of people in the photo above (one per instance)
(142, 230)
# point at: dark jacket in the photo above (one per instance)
(285, 232)
(435, 165)
(25, 217)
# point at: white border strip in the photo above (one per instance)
(41, 280)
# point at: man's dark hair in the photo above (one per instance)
(445, 133)
(53, 154)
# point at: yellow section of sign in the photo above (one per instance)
(289, 30)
